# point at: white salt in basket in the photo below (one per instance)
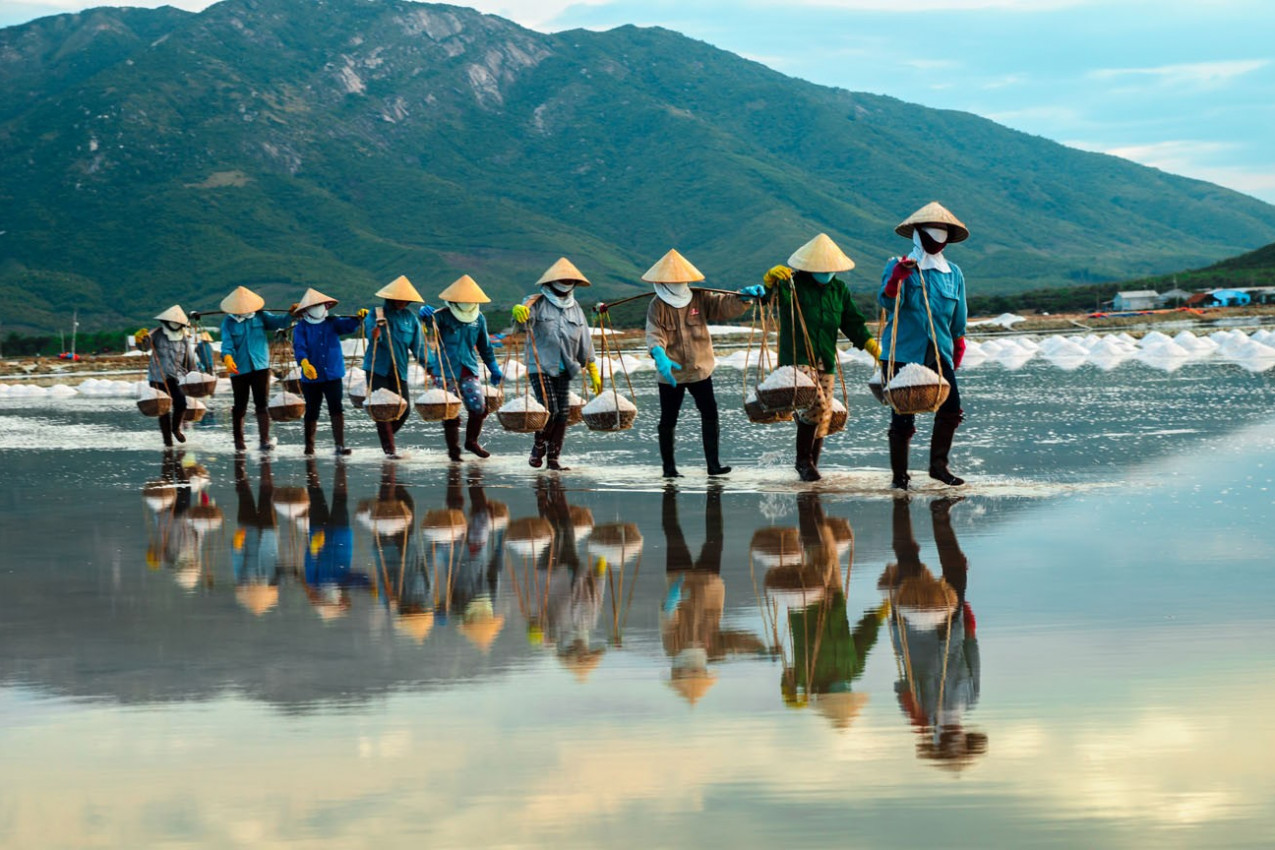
(787, 388)
(195, 410)
(916, 389)
(199, 384)
(837, 422)
(522, 415)
(528, 537)
(286, 407)
(385, 405)
(153, 402)
(575, 409)
(495, 397)
(291, 502)
(356, 387)
(759, 414)
(437, 404)
(609, 411)
(876, 385)
(445, 525)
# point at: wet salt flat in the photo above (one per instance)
(1077, 653)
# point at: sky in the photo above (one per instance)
(1186, 86)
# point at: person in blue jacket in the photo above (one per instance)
(395, 336)
(316, 344)
(462, 336)
(930, 228)
(245, 352)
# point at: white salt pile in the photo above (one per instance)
(198, 378)
(608, 402)
(522, 404)
(294, 374)
(145, 393)
(837, 407)
(785, 377)
(914, 375)
(381, 396)
(574, 400)
(60, 391)
(437, 395)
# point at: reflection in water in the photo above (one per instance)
(178, 532)
(472, 552)
(255, 546)
(933, 633)
(329, 553)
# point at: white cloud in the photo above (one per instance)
(1192, 74)
(1195, 158)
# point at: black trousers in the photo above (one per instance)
(905, 423)
(671, 402)
(558, 389)
(386, 382)
(316, 392)
(173, 387)
(257, 383)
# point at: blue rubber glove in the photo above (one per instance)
(673, 597)
(663, 365)
(754, 291)
(496, 376)
(427, 314)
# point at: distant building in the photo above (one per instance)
(1261, 294)
(1140, 299)
(1172, 298)
(1228, 298)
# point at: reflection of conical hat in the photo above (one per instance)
(564, 269)
(481, 631)
(242, 300)
(841, 708)
(313, 298)
(257, 598)
(692, 687)
(399, 289)
(465, 290)
(934, 213)
(582, 662)
(417, 626)
(173, 314)
(820, 255)
(329, 611)
(672, 268)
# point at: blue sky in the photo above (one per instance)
(1183, 85)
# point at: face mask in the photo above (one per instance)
(172, 330)
(464, 312)
(242, 317)
(938, 234)
(823, 277)
(674, 294)
(562, 289)
(316, 314)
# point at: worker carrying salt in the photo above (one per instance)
(557, 327)
(811, 298)
(316, 344)
(462, 339)
(926, 319)
(395, 334)
(172, 356)
(677, 336)
(245, 352)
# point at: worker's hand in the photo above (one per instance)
(426, 314)
(497, 376)
(194, 315)
(292, 309)
(376, 331)
(520, 313)
(601, 308)
(361, 314)
(664, 365)
(755, 291)
(775, 275)
(229, 363)
(238, 539)
(958, 352)
(308, 370)
(600, 566)
(595, 379)
(883, 611)
(141, 336)
(316, 542)
(874, 348)
(902, 271)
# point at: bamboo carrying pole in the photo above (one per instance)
(603, 306)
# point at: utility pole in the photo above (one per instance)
(75, 326)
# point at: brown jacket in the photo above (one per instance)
(683, 332)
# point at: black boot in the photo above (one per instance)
(945, 425)
(899, 459)
(538, 449)
(311, 428)
(473, 430)
(554, 434)
(712, 443)
(666, 453)
(166, 430)
(338, 433)
(451, 432)
(805, 452)
(263, 431)
(386, 435)
(178, 419)
(236, 427)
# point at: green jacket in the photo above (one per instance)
(826, 308)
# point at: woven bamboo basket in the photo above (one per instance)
(609, 412)
(356, 388)
(195, 410)
(386, 408)
(575, 409)
(445, 525)
(797, 394)
(159, 495)
(157, 403)
(918, 397)
(522, 415)
(286, 407)
(495, 397)
(199, 384)
(876, 385)
(758, 413)
(437, 405)
(837, 422)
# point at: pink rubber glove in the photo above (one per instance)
(902, 271)
(958, 352)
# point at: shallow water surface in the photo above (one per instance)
(204, 652)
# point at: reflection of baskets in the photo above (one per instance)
(787, 388)
(837, 422)
(437, 405)
(445, 525)
(916, 389)
(609, 412)
(291, 502)
(495, 397)
(153, 402)
(195, 410)
(759, 414)
(774, 546)
(523, 415)
(159, 495)
(205, 518)
(385, 405)
(199, 384)
(286, 407)
(528, 537)
(385, 517)
(618, 542)
(875, 384)
(575, 409)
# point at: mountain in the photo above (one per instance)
(152, 156)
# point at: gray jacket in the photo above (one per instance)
(561, 336)
(170, 359)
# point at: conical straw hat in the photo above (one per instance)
(400, 289)
(242, 300)
(465, 290)
(257, 598)
(313, 298)
(820, 256)
(173, 314)
(482, 631)
(934, 213)
(564, 269)
(694, 686)
(672, 268)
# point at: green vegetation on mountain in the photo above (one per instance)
(155, 156)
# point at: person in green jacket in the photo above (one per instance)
(811, 293)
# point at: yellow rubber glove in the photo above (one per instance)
(361, 314)
(883, 611)
(775, 275)
(230, 364)
(520, 313)
(600, 566)
(316, 542)
(308, 370)
(595, 379)
(238, 540)
(141, 336)
(873, 347)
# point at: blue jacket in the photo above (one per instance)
(459, 341)
(247, 342)
(321, 345)
(404, 330)
(947, 305)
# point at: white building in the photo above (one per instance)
(1140, 299)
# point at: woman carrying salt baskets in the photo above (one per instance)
(677, 336)
(387, 365)
(824, 304)
(173, 355)
(563, 346)
(462, 332)
(245, 352)
(316, 345)
(930, 228)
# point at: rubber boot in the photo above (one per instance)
(338, 433)
(176, 422)
(945, 425)
(712, 441)
(166, 430)
(805, 452)
(666, 453)
(386, 435)
(474, 430)
(816, 451)
(555, 432)
(263, 431)
(538, 449)
(899, 459)
(311, 428)
(236, 427)
(451, 433)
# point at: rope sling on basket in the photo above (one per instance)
(914, 388)
(523, 414)
(756, 411)
(356, 378)
(610, 411)
(383, 405)
(438, 404)
(197, 383)
(791, 387)
(284, 406)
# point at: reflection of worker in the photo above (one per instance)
(575, 594)
(551, 503)
(401, 570)
(329, 557)
(169, 498)
(255, 548)
(478, 564)
(934, 633)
